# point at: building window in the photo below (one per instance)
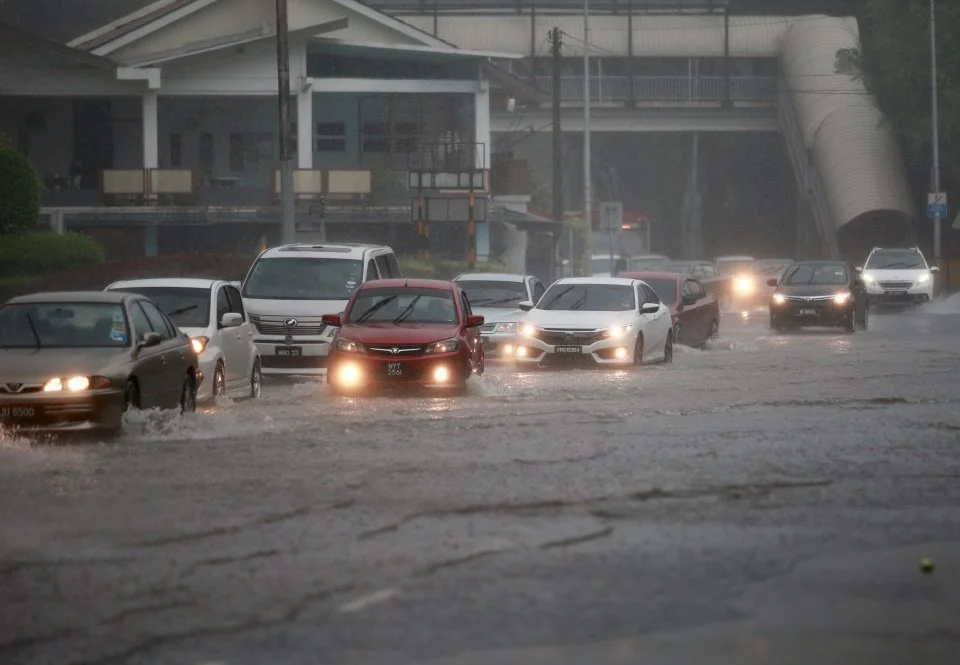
(331, 137)
(401, 137)
(236, 152)
(176, 150)
(205, 152)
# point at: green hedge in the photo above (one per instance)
(19, 190)
(15, 286)
(38, 254)
(444, 268)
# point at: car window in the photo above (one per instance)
(236, 302)
(494, 293)
(223, 304)
(894, 259)
(372, 271)
(187, 307)
(538, 291)
(383, 267)
(467, 311)
(393, 265)
(403, 305)
(141, 324)
(830, 273)
(649, 295)
(685, 291)
(589, 298)
(63, 325)
(303, 278)
(157, 321)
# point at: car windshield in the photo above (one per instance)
(303, 278)
(494, 293)
(816, 274)
(666, 289)
(729, 266)
(63, 325)
(770, 267)
(403, 305)
(589, 298)
(678, 267)
(894, 259)
(186, 307)
(647, 263)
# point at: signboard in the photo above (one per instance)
(937, 205)
(611, 215)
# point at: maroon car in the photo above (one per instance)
(403, 333)
(696, 314)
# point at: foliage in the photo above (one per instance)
(19, 190)
(541, 195)
(436, 268)
(42, 253)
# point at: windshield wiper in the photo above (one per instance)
(560, 295)
(182, 310)
(580, 303)
(405, 313)
(33, 328)
(375, 308)
(485, 303)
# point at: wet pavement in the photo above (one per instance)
(768, 500)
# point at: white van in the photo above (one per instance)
(289, 288)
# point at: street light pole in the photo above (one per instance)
(587, 185)
(288, 230)
(936, 122)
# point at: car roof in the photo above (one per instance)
(346, 250)
(412, 283)
(650, 256)
(645, 274)
(109, 297)
(181, 282)
(490, 277)
(618, 281)
(820, 262)
(735, 257)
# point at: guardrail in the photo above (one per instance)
(673, 90)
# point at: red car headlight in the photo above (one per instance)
(444, 346)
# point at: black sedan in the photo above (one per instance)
(819, 293)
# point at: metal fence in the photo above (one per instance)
(678, 90)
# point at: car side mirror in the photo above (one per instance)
(525, 305)
(333, 320)
(474, 321)
(773, 282)
(231, 320)
(859, 268)
(934, 268)
(149, 339)
(649, 308)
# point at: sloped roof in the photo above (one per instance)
(61, 20)
(15, 45)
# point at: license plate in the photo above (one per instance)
(894, 293)
(17, 412)
(568, 350)
(394, 369)
(807, 312)
(289, 351)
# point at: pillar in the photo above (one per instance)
(481, 125)
(305, 127)
(150, 131)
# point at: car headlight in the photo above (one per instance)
(199, 344)
(923, 278)
(615, 332)
(445, 346)
(841, 298)
(528, 330)
(75, 384)
(779, 299)
(743, 285)
(349, 346)
(868, 278)
(509, 328)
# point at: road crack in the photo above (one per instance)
(221, 531)
(226, 560)
(576, 540)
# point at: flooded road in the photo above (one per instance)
(768, 499)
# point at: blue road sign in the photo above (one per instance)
(937, 211)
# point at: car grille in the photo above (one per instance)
(895, 285)
(488, 328)
(19, 388)
(582, 337)
(400, 350)
(274, 325)
(808, 299)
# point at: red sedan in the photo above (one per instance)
(399, 333)
(695, 313)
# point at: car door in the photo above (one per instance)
(701, 311)
(657, 325)
(236, 342)
(148, 367)
(173, 356)
(689, 326)
(473, 334)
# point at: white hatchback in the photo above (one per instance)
(211, 313)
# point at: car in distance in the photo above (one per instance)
(819, 293)
(750, 286)
(288, 288)
(211, 313)
(694, 312)
(898, 276)
(77, 360)
(404, 333)
(598, 321)
(496, 297)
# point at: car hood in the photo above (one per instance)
(403, 333)
(498, 314)
(41, 365)
(812, 289)
(293, 307)
(195, 332)
(896, 274)
(576, 319)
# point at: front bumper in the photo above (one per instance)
(610, 352)
(912, 295)
(822, 313)
(297, 356)
(379, 373)
(498, 346)
(96, 410)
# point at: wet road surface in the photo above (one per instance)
(768, 500)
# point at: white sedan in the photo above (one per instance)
(595, 321)
(211, 313)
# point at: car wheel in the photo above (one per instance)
(131, 396)
(256, 380)
(668, 349)
(865, 320)
(714, 329)
(188, 395)
(678, 332)
(638, 351)
(219, 381)
(850, 325)
(777, 326)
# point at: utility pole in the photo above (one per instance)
(936, 123)
(288, 229)
(587, 188)
(555, 46)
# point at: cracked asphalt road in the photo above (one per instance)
(766, 501)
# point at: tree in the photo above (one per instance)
(19, 190)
